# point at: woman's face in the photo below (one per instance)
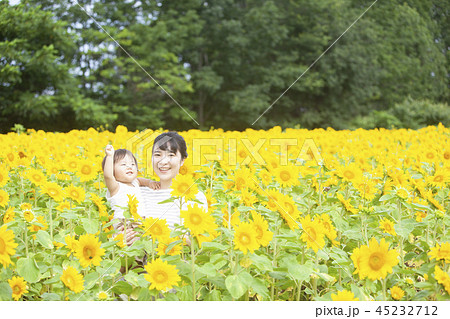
(166, 164)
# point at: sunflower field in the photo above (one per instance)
(368, 221)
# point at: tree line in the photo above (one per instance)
(66, 64)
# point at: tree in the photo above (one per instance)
(37, 89)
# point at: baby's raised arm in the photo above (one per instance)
(108, 171)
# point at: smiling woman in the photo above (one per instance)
(169, 153)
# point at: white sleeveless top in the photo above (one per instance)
(148, 202)
(168, 211)
(120, 199)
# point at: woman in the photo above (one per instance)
(168, 155)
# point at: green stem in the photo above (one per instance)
(299, 291)
(51, 220)
(383, 283)
(193, 267)
(26, 240)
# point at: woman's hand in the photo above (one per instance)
(154, 185)
(130, 237)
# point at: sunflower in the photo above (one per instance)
(265, 177)
(273, 197)
(37, 177)
(442, 277)
(377, 260)
(4, 198)
(197, 220)
(263, 234)
(39, 224)
(133, 207)
(313, 233)
(247, 198)
(97, 200)
(288, 210)
(72, 279)
(120, 242)
(210, 199)
(287, 175)
(88, 250)
(18, 286)
(233, 220)
(65, 205)
(163, 245)
(184, 186)
(102, 295)
(161, 275)
(86, 170)
(155, 228)
(71, 243)
(53, 190)
(187, 169)
(440, 178)
(397, 293)
(28, 215)
(25, 206)
(440, 251)
(387, 226)
(344, 295)
(349, 173)
(7, 245)
(243, 178)
(75, 193)
(245, 238)
(9, 215)
(348, 206)
(329, 229)
(4, 176)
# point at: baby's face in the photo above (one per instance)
(125, 170)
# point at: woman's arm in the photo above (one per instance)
(149, 183)
(108, 171)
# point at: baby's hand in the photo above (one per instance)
(154, 185)
(109, 150)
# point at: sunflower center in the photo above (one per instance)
(182, 170)
(376, 261)
(439, 179)
(37, 177)
(349, 174)
(160, 276)
(311, 233)
(157, 230)
(182, 188)
(259, 232)
(195, 219)
(17, 289)
(447, 155)
(2, 246)
(430, 155)
(88, 253)
(289, 207)
(69, 280)
(245, 239)
(86, 170)
(285, 176)
(10, 156)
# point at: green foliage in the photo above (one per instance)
(410, 113)
(224, 62)
(37, 88)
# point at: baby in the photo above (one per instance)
(120, 172)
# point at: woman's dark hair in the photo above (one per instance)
(118, 155)
(171, 141)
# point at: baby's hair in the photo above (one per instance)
(171, 141)
(118, 155)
